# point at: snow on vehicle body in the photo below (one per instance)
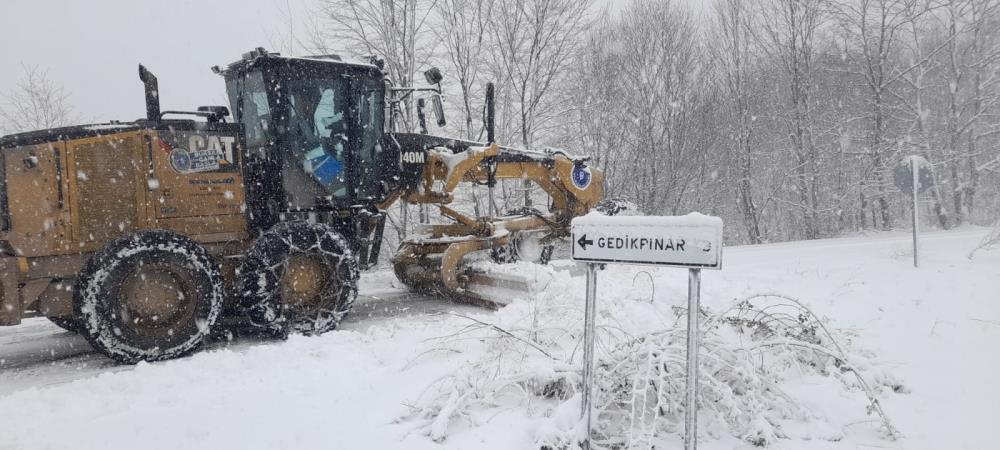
(142, 235)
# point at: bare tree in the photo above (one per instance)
(985, 92)
(971, 50)
(465, 40)
(788, 29)
(598, 126)
(921, 49)
(662, 88)
(874, 28)
(734, 53)
(533, 43)
(36, 102)
(389, 29)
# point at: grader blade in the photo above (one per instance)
(504, 286)
(465, 269)
(451, 275)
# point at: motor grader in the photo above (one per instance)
(142, 236)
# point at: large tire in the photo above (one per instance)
(148, 296)
(299, 277)
(504, 254)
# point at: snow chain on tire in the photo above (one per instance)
(120, 283)
(265, 266)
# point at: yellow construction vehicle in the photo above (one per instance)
(142, 236)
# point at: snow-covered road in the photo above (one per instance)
(936, 328)
(37, 353)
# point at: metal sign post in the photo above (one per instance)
(693, 241)
(590, 328)
(915, 168)
(914, 175)
(691, 413)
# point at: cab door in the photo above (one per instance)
(372, 166)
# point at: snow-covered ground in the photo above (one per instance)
(935, 329)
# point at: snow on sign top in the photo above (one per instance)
(693, 240)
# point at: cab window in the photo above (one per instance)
(318, 131)
(370, 118)
(248, 97)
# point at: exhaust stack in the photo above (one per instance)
(152, 89)
(490, 114)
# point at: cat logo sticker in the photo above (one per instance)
(185, 161)
(202, 154)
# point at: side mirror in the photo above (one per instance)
(421, 118)
(433, 75)
(438, 104)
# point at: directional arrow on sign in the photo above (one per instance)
(584, 242)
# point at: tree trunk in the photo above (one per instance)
(878, 165)
(970, 161)
(956, 192)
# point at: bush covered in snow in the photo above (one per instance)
(532, 362)
(988, 242)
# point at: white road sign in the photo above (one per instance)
(693, 241)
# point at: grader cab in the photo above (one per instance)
(142, 236)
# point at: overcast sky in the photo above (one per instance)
(93, 47)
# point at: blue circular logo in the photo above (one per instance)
(581, 176)
(180, 160)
